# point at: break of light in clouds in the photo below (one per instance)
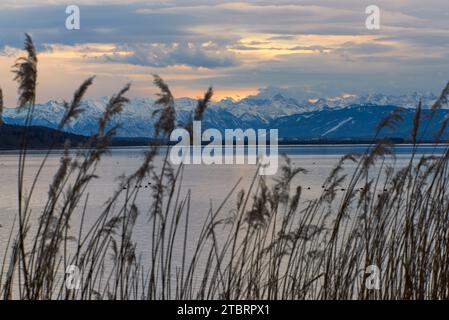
(311, 47)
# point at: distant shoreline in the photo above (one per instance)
(42, 138)
(329, 144)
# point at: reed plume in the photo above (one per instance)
(73, 110)
(25, 70)
(201, 107)
(416, 120)
(202, 104)
(167, 115)
(391, 120)
(442, 100)
(114, 107)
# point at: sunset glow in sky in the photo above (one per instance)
(313, 47)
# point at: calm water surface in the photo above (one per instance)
(208, 184)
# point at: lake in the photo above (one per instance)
(208, 184)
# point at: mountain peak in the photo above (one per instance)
(279, 97)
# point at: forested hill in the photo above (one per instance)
(38, 137)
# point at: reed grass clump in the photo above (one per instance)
(276, 245)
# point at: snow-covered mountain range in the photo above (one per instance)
(344, 116)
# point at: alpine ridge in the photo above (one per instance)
(347, 116)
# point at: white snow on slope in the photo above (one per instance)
(337, 126)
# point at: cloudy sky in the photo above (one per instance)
(315, 48)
